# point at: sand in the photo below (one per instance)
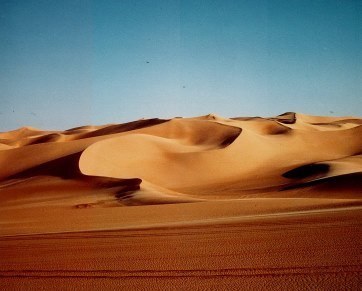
(204, 203)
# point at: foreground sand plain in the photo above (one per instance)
(187, 203)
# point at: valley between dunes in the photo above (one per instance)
(203, 203)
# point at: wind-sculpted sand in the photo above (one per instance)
(204, 203)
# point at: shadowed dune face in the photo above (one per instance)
(51, 137)
(347, 185)
(286, 118)
(307, 171)
(118, 128)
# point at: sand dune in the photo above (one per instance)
(181, 160)
(188, 174)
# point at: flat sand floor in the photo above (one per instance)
(310, 250)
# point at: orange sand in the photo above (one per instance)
(180, 204)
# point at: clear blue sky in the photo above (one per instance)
(70, 63)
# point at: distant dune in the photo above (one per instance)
(257, 178)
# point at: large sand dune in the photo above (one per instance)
(244, 202)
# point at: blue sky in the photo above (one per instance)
(70, 63)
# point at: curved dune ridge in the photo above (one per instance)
(187, 159)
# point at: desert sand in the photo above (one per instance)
(203, 203)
